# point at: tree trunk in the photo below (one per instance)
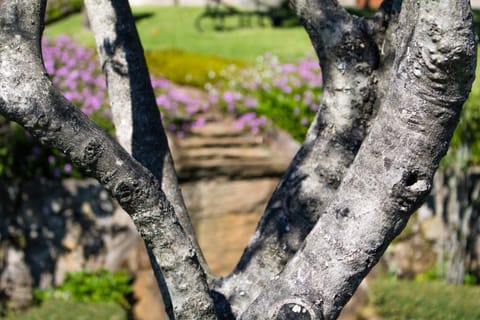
(393, 90)
(457, 191)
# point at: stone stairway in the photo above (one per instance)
(219, 149)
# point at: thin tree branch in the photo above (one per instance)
(393, 170)
(348, 58)
(29, 98)
(135, 113)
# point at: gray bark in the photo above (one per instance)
(29, 98)
(348, 57)
(393, 168)
(135, 113)
(393, 91)
(357, 60)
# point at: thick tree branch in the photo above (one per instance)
(385, 25)
(348, 57)
(29, 98)
(393, 170)
(135, 113)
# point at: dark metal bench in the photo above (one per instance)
(218, 10)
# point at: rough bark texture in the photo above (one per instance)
(365, 64)
(393, 168)
(135, 113)
(348, 57)
(29, 98)
(393, 90)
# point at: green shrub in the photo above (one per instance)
(72, 310)
(398, 300)
(471, 279)
(85, 286)
(288, 94)
(476, 19)
(465, 144)
(431, 274)
(58, 9)
(286, 112)
(36, 161)
(187, 68)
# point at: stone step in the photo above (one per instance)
(191, 169)
(241, 153)
(226, 142)
(225, 128)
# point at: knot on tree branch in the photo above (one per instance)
(439, 57)
(127, 191)
(357, 48)
(296, 309)
(411, 190)
(92, 152)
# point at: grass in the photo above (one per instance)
(187, 68)
(163, 28)
(70, 310)
(404, 300)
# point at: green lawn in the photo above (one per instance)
(173, 28)
(71, 310)
(405, 300)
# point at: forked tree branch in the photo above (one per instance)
(29, 98)
(348, 57)
(135, 113)
(355, 182)
(392, 173)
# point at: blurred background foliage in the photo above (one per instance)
(263, 76)
(405, 300)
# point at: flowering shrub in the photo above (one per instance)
(75, 71)
(287, 94)
(22, 158)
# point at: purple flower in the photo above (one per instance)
(67, 168)
(213, 99)
(199, 122)
(250, 102)
(242, 120)
(164, 101)
(228, 97)
(289, 67)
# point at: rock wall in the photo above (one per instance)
(59, 227)
(227, 177)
